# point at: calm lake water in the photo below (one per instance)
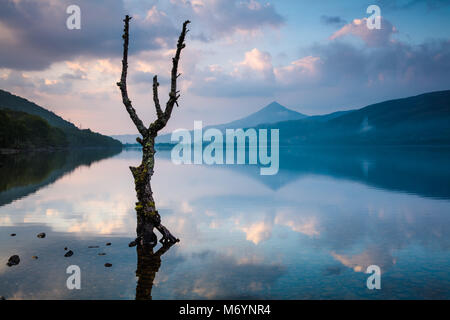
(308, 232)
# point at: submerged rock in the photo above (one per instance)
(13, 261)
(65, 248)
(108, 244)
(41, 235)
(34, 257)
(68, 253)
(13, 234)
(108, 265)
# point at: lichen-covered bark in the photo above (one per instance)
(123, 80)
(148, 217)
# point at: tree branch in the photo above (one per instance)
(123, 81)
(162, 120)
(173, 94)
(159, 112)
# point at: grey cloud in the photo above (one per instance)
(142, 77)
(76, 75)
(147, 77)
(227, 86)
(38, 35)
(220, 18)
(58, 88)
(369, 73)
(422, 66)
(16, 79)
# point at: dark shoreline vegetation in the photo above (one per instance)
(27, 126)
(20, 130)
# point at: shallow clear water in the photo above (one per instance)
(309, 232)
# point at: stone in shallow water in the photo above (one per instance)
(93, 247)
(65, 248)
(108, 265)
(13, 234)
(34, 257)
(108, 244)
(68, 253)
(41, 235)
(102, 254)
(13, 261)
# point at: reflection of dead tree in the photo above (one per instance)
(147, 266)
(147, 215)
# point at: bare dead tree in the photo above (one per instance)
(148, 217)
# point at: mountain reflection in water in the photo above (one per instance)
(308, 232)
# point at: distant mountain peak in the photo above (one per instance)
(273, 112)
(274, 106)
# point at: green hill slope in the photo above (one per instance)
(20, 130)
(75, 137)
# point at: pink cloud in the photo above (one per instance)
(372, 37)
(258, 61)
(300, 70)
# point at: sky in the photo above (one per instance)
(314, 57)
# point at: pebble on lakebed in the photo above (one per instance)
(13, 261)
(68, 253)
(108, 265)
(41, 235)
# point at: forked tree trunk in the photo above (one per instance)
(148, 217)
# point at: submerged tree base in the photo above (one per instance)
(148, 217)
